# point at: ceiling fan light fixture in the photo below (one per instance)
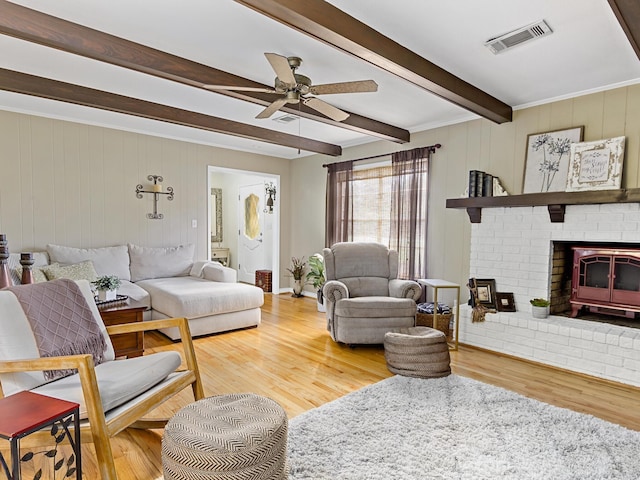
(518, 36)
(293, 96)
(294, 88)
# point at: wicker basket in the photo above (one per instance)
(426, 320)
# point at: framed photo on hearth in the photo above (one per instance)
(547, 160)
(486, 292)
(596, 165)
(505, 302)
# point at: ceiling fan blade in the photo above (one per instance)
(323, 107)
(282, 68)
(344, 87)
(271, 109)
(240, 89)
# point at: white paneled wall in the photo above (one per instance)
(74, 184)
(513, 246)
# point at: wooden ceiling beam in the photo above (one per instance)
(66, 92)
(628, 14)
(33, 26)
(322, 21)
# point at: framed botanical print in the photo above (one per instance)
(596, 165)
(547, 160)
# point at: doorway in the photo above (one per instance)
(250, 229)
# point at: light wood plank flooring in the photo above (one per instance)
(291, 358)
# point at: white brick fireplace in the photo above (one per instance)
(513, 245)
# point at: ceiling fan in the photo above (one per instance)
(294, 87)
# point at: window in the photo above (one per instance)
(371, 196)
(387, 205)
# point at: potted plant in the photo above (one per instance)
(297, 268)
(316, 277)
(107, 287)
(540, 307)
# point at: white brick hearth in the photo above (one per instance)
(513, 246)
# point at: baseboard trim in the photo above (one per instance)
(603, 381)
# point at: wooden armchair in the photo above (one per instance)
(113, 395)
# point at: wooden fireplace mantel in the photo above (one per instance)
(555, 201)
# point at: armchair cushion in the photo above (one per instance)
(360, 259)
(118, 381)
(366, 286)
(335, 290)
(405, 289)
(375, 307)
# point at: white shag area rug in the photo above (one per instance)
(455, 428)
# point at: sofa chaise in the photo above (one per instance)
(165, 279)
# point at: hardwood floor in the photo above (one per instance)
(291, 358)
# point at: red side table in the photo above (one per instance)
(26, 412)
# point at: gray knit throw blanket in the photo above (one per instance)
(61, 320)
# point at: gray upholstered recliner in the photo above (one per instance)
(364, 299)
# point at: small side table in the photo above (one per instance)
(221, 255)
(26, 412)
(437, 284)
(126, 344)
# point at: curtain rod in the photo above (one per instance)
(432, 149)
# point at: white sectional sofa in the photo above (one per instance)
(166, 279)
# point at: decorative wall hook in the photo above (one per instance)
(156, 189)
(270, 196)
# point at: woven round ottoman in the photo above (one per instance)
(417, 352)
(238, 436)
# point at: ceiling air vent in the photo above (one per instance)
(518, 37)
(286, 118)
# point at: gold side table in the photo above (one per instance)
(437, 284)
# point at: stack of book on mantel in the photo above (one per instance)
(480, 184)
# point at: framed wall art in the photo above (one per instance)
(547, 160)
(505, 302)
(216, 215)
(596, 165)
(484, 291)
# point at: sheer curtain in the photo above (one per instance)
(382, 204)
(409, 211)
(339, 204)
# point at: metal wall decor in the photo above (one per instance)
(156, 190)
(269, 196)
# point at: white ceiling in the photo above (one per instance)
(588, 51)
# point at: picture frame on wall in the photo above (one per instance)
(505, 302)
(596, 165)
(547, 160)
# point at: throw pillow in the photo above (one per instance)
(216, 272)
(160, 262)
(106, 260)
(39, 259)
(38, 274)
(77, 271)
